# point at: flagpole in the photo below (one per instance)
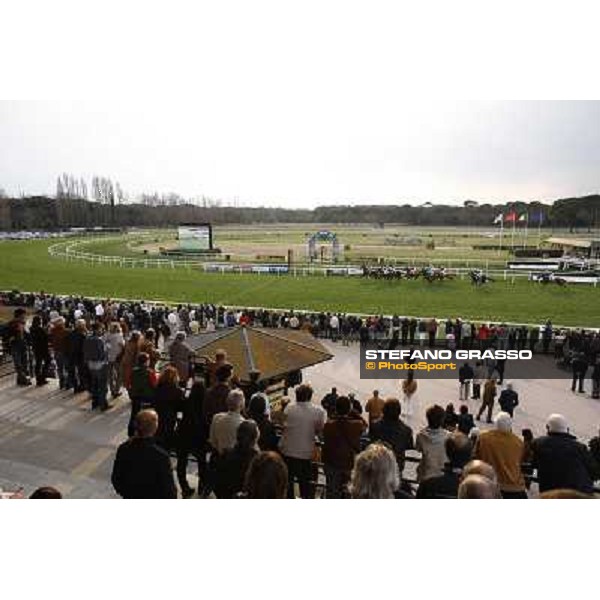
(512, 237)
(526, 228)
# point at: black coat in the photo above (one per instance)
(508, 400)
(563, 463)
(168, 401)
(465, 423)
(465, 373)
(442, 487)
(192, 432)
(143, 470)
(39, 341)
(398, 435)
(231, 471)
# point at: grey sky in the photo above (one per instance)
(300, 149)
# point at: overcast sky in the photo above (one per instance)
(303, 149)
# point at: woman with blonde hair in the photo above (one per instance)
(375, 474)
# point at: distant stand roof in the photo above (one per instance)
(575, 243)
(272, 352)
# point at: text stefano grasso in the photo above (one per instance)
(377, 354)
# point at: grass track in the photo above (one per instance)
(27, 266)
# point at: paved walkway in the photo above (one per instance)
(51, 437)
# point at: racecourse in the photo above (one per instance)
(27, 266)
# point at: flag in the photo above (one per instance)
(524, 217)
(537, 217)
(499, 219)
(511, 217)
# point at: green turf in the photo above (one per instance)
(27, 266)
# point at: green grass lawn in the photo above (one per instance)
(27, 266)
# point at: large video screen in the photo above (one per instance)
(195, 237)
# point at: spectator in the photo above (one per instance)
(374, 407)
(489, 394)
(115, 346)
(303, 421)
(191, 435)
(79, 372)
(257, 411)
(561, 461)
(430, 443)
(334, 327)
(141, 468)
(450, 418)
(479, 373)
(596, 379)
(219, 361)
(46, 493)
(458, 449)
(168, 401)
(232, 466)
(267, 477)
(580, 367)
(409, 387)
(392, 431)
(148, 345)
(375, 474)
(476, 487)
(508, 400)
(96, 360)
(480, 467)
(181, 355)
(503, 450)
(341, 443)
(141, 390)
(224, 426)
(59, 341)
(356, 408)
(216, 395)
(41, 352)
(465, 377)
(130, 358)
(465, 422)
(16, 342)
(328, 402)
(526, 467)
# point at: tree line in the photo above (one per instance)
(110, 208)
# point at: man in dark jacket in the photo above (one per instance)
(465, 421)
(580, 366)
(16, 343)
(465, 376)
(596, 379)
(96, 361)
(459, 450)
(141, 469)
(561, 461)
(391, 430)
(328, 402)
(509, 400)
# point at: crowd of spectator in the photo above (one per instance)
(242, 448)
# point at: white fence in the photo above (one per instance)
(71, 251)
